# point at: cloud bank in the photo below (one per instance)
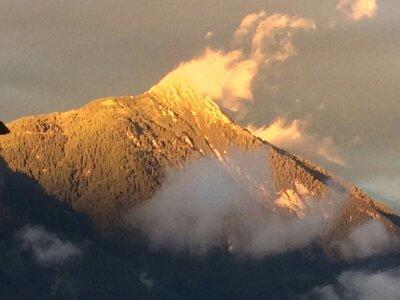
(294, 137)
(46, 247)
(205, 206)
(227, 76)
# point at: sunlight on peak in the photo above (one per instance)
(108, 102)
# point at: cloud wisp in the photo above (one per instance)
(203, 206)
(227, 76)
(294, 137)
(209, 35)
(47, 248)
(358, 9)
(367, 240)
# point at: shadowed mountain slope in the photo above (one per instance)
(93, 273)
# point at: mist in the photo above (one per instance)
(208, 205)
(371, 238)
(362, 285)
(47, 248)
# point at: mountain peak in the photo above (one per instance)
(184, 96)
(74, 154)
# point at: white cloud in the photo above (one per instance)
(146, 280)
(369, 239)
(209, 35)
(294, 137)
(358, 9)
(212, 204)
(362, 285)
(248, 24)
(227, 76)
(47, 247)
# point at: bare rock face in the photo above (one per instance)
(113, 153)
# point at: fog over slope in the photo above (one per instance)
(203, 207)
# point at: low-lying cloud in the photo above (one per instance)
(47, 248)
(369, 239)
(362, 285)
(227, 76)
(294, 137)
(206, 205)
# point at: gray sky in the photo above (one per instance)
(57, 55)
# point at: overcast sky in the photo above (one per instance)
(343, 82)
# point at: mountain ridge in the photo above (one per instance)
(113, 153)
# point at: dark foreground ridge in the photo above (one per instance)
(109, 270)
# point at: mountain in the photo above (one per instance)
(79, 173)
(113, 153)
